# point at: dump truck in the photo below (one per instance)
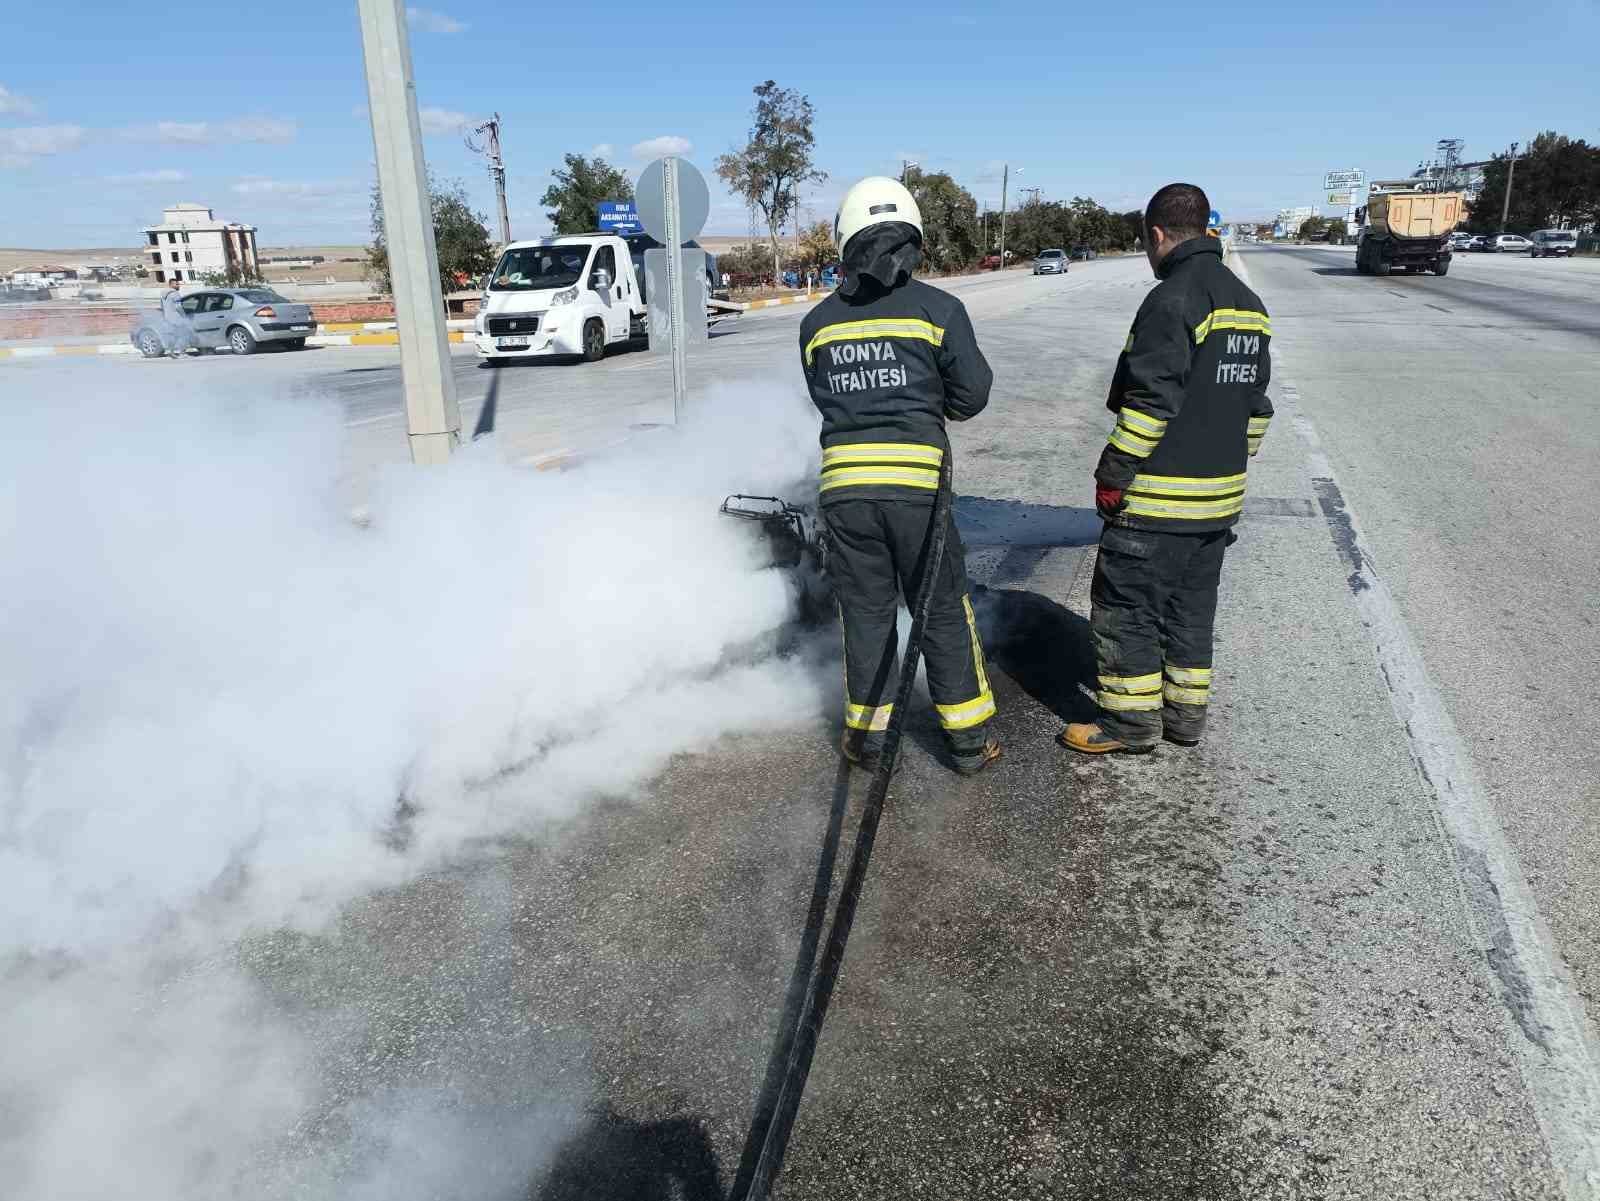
(1408, 230)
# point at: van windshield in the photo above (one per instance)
(1558, 235)
(530, 268)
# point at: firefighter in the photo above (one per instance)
(888, 360)
(1190, 394)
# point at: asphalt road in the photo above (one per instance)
(1266, 968)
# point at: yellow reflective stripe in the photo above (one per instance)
(977, 645)
(856, 331)
(1128, 345)
(1197, 676)
(1142, 423)
(1190, 510)
(967, 714)
(1219, 485)
(1129, 704)
(1131, 443)
(1258, 425)
(864, 717)
(1243, 319)
(1185, 696)
(1149, 683)
(882, 452)
(866, 477)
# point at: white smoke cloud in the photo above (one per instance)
(219, 688)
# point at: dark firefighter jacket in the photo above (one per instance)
(886, 367)
(1190, 394)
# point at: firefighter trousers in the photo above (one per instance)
(1154, 600)
(878, 554)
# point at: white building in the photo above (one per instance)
(1293, 219)
(41, 277)
(190, 243)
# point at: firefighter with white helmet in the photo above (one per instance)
(888, 360)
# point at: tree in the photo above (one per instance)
(1039, 225)
(1132, 228)
(1556, 185)
(816, 248)
(236, 276)
(1313, 227)
(580, 185)
(950, 235)
(1338, 230)
(460, 235)
(776, 160)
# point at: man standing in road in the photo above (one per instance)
(1190, 394)
(176, 321)
(888, 360)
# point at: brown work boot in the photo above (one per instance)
(971, 763)
(1088, 738)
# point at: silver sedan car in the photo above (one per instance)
(233, 319)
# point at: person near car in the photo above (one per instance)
(1190, 394)
(888, 360)
(179, 328)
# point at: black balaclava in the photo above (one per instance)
(885, 254)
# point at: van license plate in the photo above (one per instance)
(511, 343)
(299, 328)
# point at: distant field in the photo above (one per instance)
(18, 258)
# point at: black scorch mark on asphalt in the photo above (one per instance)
(1331, 500)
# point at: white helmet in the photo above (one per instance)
(873, 201)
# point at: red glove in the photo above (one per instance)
(1108, 502)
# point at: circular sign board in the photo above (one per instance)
(694, 200)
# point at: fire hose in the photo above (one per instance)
(806, 1009)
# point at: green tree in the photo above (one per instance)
(460, 235)
(815, 247)
(1338, 230)
(1556, 185)
(1132, 229)
(236, 276)
(573, 201)
(776, 160)
(1312, 227)
(950, 233)
(1039, 225)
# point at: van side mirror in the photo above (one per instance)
(600, 280)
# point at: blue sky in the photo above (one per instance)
(105, 118)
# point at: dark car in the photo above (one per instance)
(1085, 253)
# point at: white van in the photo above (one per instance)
(1553, 243)
(571, 295)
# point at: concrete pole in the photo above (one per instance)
(679, 330)
(1005, 180)
(433, 419)
(1511, 174)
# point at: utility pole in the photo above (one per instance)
(1511, 174)
(497, 168)
(1005, 182)
(433, 420)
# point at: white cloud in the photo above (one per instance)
(162, 175)
(260, 186)
(19, 147)
(438, 122)
(603, 150)
(210, 133)
(13, 105)
(665, 144)
(425, 20)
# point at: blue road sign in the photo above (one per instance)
(619, 216)
(1214, 220)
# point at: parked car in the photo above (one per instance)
(1050, 262)
(1461, 241)
(1553, 243)
(1509, 243)
(233, 319)
(1479, 242)
(1085, 253)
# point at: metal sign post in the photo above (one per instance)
(673, 204)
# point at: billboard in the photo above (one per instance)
(1353, 179)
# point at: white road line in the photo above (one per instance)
(1545, 1018)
